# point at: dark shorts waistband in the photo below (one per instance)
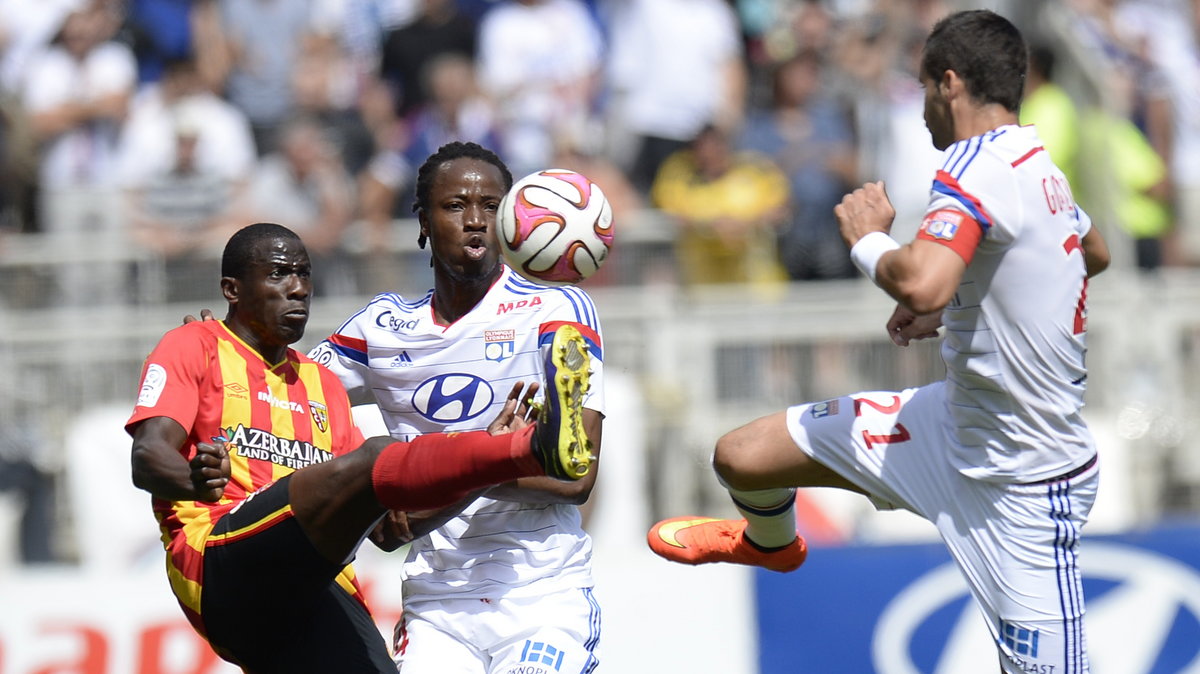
(1070, 473)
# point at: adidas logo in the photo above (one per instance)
(403, 360)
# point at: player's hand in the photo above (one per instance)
(392, 531)
(519, 410)
(865, 210)
(210, 471)
(205, 315)
(905, 326)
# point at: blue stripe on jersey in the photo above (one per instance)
(959, 170)
(581, 302)
(960, 150)
(592, 345)
(942, 188)
(955, 165)
(398, 301)
(585, 310)
(355, 355)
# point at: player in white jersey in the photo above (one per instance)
(502, 581)
(997, 456)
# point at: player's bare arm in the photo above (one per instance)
(1095, 252)
(399, 528)
(922, 275)
(160, 469)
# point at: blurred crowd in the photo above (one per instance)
(164, 125)
(169, 123)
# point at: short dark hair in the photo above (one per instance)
(985, 49)
(450, 152)
(239, 250)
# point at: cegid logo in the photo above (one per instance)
(389, 320)
(1150, 603)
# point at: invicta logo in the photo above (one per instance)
(253, 443)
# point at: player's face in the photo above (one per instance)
(461, 219)
(937, 114)
(272, 301)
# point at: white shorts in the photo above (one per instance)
(553, 633)
(1016, 545)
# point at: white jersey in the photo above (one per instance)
(429, 378)
(1015, 330)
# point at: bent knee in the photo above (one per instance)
(737, 462)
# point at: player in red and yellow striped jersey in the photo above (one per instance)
(263, 486)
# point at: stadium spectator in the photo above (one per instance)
(228, 411)
(454, 109)
(503, 577)
(26, 28)
(439, 28)
(185, 213)
(77, 95)
(305, 183)
(997, 456)
(808, 135)
(361, 27)
(729, 206)
(163, 31)
(1166, 34)
(1048, 107)
(674, 66)
(224, 145)
(540, 63)
(261, 41)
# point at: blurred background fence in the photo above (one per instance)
(703, 360)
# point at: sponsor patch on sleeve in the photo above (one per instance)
(152, 385)
(824, 409)
(956, 230)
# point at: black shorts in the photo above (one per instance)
(270, 602)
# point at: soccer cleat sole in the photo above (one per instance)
(571, 375)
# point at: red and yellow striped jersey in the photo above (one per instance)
(274, 418)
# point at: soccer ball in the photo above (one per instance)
(555, 227)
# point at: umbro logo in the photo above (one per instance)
(403, 360)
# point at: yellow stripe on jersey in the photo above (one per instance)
(282, 424)
(235, 411)
(346, 580)
(322, 433)
(195, 531)
(187, 591)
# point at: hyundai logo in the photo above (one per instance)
(1145, 613)
(451, 398)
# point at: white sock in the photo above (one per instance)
(770, 515)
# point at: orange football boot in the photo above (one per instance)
(703, 540)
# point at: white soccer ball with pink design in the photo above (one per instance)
(555, 227)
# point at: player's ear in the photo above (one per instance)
(230, 288)
(951, 84)
(423, 234)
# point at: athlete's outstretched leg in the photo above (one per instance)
(338, 502)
